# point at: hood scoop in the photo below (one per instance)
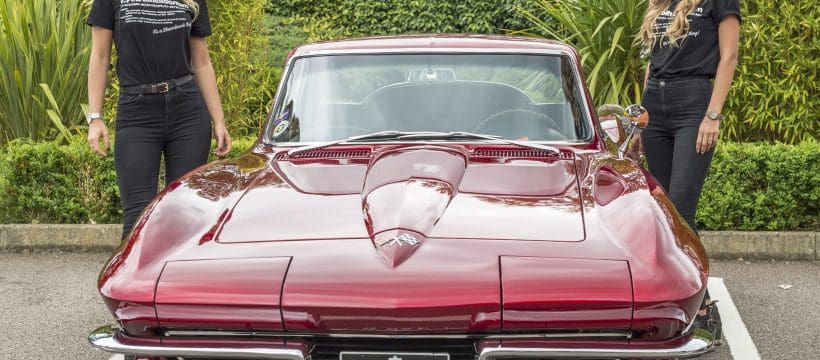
(406, 193)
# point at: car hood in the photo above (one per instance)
(419, 192)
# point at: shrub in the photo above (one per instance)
(241, 56)
(346, 18)
(762, 187)
(43, 46)
(774, 96)
(48, 182)
(604, 33)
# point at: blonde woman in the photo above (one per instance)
(693, 55)
(169, 105)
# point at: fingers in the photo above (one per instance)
(224, 143)
(94, 141)
(707, 139)
(106, 142)
(219, 143)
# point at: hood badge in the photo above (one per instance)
(399, 240)
(396, 246)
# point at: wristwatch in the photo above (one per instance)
(714, 115)
(93, 116)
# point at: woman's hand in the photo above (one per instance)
(96, 131)
(223, 140)
(707, 135)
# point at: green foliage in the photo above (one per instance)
(762, 187)
(46, 182)
(241, 57)
(43, 46)
(348, 18)
(774, 96)
(604, 34)
(49, 182)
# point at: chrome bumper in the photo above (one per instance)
(694, 347)
(105, 339)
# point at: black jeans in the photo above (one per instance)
(175, 125)
(676, 109)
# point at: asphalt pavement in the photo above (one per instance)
(49, 303)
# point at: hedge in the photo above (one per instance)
(324, 19)
(750, 186)
(47, 182)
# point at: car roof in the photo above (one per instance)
(432, 42)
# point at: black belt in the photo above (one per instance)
(158, 88)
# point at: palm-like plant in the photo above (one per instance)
(43, 60)
(604, 33)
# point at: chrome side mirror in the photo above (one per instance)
(637, 118)
(621, 124)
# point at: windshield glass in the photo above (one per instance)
(516, 96)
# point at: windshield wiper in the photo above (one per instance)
(388, 134)
(403, 135)
(469, 135)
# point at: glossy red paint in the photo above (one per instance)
(492, 222)
(565, 294)
(231, 294)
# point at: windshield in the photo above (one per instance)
(516, 96)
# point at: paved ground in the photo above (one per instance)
(48, 303)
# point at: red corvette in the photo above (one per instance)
(415, 198)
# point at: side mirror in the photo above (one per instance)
(621, 124)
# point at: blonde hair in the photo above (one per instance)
(678, 27)
(191, 4)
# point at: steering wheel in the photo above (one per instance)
(494, 125)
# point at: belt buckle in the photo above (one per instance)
(161, 88)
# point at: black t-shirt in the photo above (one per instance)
(152, 37)
(698, 53)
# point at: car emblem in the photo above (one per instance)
(280, 128)
(394, 358)
(399, 241)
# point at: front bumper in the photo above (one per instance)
(106, 338)
(690, 348)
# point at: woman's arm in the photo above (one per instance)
(101, 39)
(206, 78)
(728, 38)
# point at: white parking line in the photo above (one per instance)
(735, 333)
(117, 357)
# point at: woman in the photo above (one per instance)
(691, 43)
(168, 93)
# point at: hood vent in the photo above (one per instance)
(518, 153)
(325, 154)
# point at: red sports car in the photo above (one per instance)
(415, 198)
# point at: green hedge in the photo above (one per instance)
(46, 182)
(345, 18)
(762, 187)
(750, 186)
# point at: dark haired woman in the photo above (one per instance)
(693, 54)
(168, 93)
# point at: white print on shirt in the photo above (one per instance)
(665, 18)
(165, 15)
